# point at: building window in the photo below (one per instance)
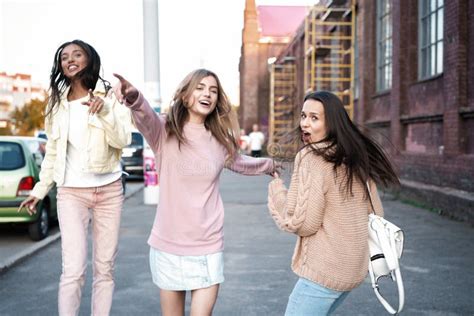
(356, 60)
(431, 24)
(384, 45)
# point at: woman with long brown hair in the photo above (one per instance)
(192, 144)
(328, 203)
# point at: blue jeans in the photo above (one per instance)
(309, 298)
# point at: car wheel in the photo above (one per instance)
(39, 229)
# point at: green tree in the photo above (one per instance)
(29, 118)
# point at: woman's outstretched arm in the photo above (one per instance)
(146, 119)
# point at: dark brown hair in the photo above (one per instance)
(346, 145)
(88, 76)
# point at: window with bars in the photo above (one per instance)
(431, 25)
(384, 45)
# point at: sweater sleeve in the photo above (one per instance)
(147, 121)
(299, 210)
(251, 166)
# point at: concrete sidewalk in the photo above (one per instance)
(16, 246)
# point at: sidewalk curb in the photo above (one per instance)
(25, 253)
(6, 263)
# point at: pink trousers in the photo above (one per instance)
(76, 207)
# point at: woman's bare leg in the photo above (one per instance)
(172, 302)
(203, 300)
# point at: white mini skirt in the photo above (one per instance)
(185, 273)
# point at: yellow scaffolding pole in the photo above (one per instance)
(282, 106)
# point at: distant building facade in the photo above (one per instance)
(16, 90)
(267, 31)
(413, 85)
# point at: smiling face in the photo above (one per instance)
(203, 100)
(73, 60)
(312, 122)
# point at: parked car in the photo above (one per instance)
(20, 163)
(124, 178)
(132, 156)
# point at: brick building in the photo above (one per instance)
(425, 107)
(413, 86)
(267, 30)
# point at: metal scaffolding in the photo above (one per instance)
(282, 106)
(329, 50)
(328, 65)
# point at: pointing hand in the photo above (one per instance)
(127, 91)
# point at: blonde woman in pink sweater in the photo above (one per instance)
(327, 204)
(192, 144)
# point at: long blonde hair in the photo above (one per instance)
(222, 121)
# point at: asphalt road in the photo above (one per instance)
(15, 244)
(436, 266)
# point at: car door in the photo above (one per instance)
(37, 148)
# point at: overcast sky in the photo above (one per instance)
(193, 34)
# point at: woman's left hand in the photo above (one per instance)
(94, 103)
(278, 167)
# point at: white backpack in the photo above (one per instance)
(385, 249)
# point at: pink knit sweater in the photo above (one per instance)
(331, 247)
(190, 215)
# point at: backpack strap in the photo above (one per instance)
(370, 198)
(401, 291)
(395, 274)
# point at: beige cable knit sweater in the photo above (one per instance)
(331, 248)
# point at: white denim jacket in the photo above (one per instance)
(108, 132)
